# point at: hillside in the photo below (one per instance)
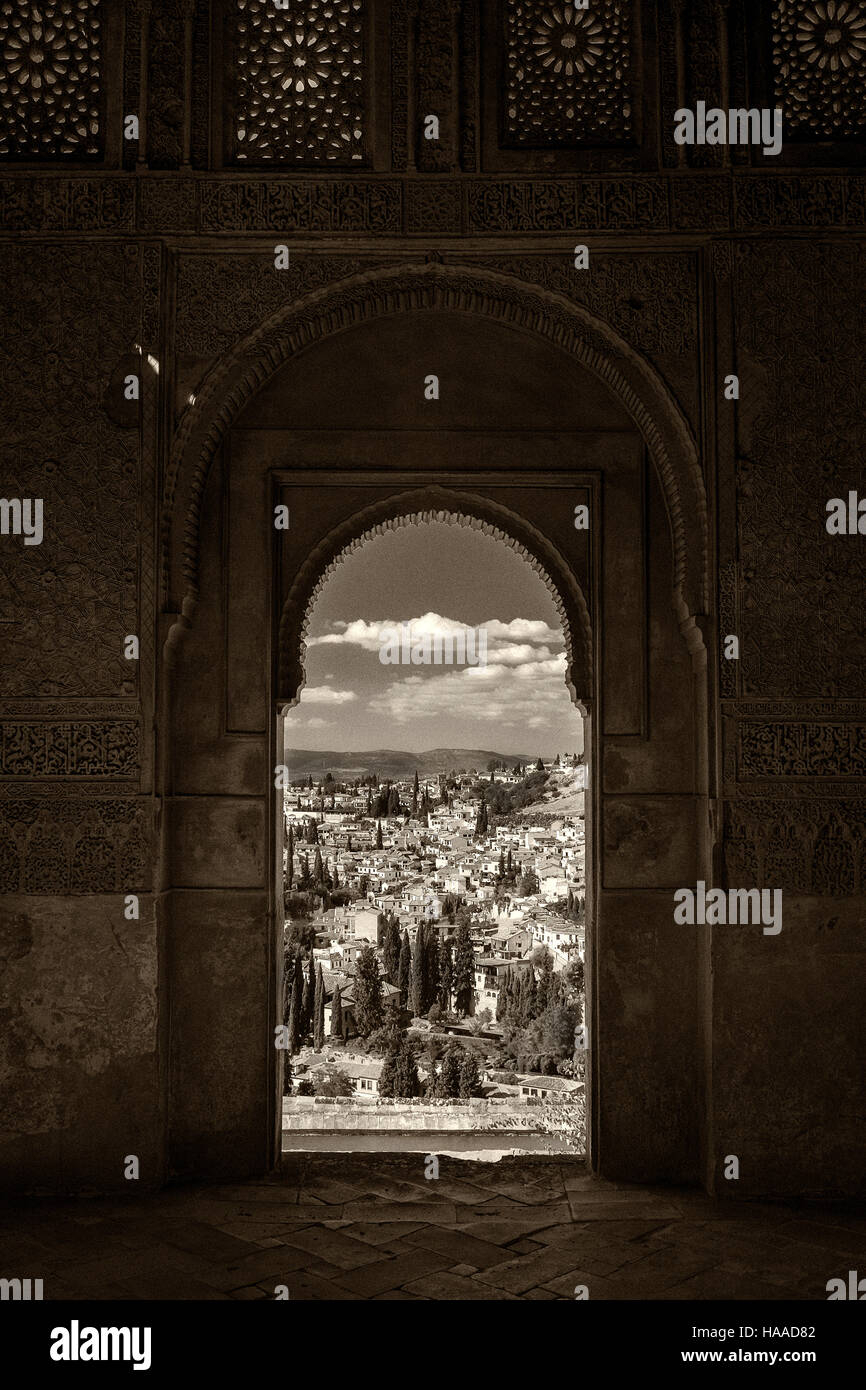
(394, 762)
(562, 797)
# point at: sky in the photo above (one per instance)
(438, 578)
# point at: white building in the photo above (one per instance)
(360, 924)
(563, 939)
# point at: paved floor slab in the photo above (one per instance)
(348, 1227)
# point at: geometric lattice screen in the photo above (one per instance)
(299, 82)
(819, 61)
(568, 73)
(50, 60)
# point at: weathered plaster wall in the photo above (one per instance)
(80, 983)
(789, 1053)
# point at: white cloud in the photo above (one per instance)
(528, 695)
(518, 654)
(515, 643)
(326, 695)
(525, 629)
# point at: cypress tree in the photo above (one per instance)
(287, 987)
(407, 1083)
(415, 795)
(527, 980)
(396, 942)
(446, 973)
(464, 970)
(388, 1074)
(368, 992)
(319, 1011)
(318, 867)
(469, 1078)
(513, 1012)
(404, 972)
(290, 857)
(309, 998)
(383, 932)
(449, 1076)
(502, 995)
(305, 882)
(419, 970)
(508, 868)
(337, 1014)
(391, 935)
(295, 1018)
(378, 834)
(431, 971)
(531, 994)
(544, 983)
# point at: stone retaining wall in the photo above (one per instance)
(406, 1116)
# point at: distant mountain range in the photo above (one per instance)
(394, 762)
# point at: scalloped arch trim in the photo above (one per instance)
(418, 508)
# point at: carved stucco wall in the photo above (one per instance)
(651, 300)
(794, 743)
(78, 982)
(75, 311)
(228, 386)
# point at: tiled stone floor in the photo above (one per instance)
(369, 1226)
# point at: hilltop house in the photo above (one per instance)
(488, 978)
(390, 1001)
(363, 1075)
(563, 939)
(357, 923)
(545, 1087)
